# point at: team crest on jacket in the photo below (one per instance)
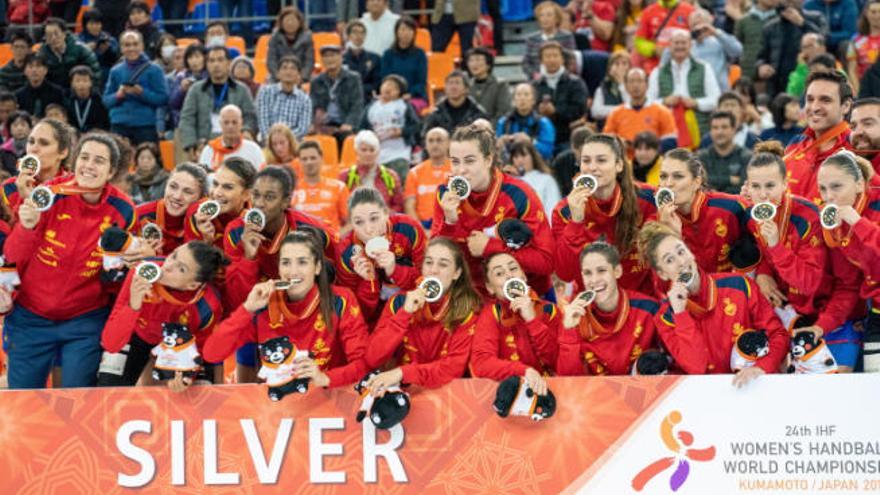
(720, 228)
(729, 307)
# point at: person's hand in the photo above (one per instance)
(345, 128)
(671, 100)
(573, 312)
(793, 16)
(308, 368)
(179, 383)
(688, 102)
(250, 241)
(577, 203)
(745, 376)
(766, 71)
(121, 93)
(770, 232)
(205, 226)
(815, 329)
(535, 381)
(186, 83)
(525, 307)
(449, 203)
(259, 295)
(386, 261)
(414, 301)
(148, 248)
(138, 292)
(678, 294)
(380, 383)
(546, 108)
(136, 89)
(28, 215)
(477, 242)
(770, 288)
(849, 214)
(363, 267)
(668, 216)
(744, 192)
(25, 182)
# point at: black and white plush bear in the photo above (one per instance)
(514, 232)
(114, 243)
(745, 254)
(750, 346)
(515, 398)
(277, 357)
(176, 352)
(384, 412)
(652, 362)
(810, 355)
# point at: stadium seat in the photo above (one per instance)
(185, 42)
(349, 157)
(423, 39)
(320, 39)
(5, 53)
(260, 53)
(82, 9)
(454, 47)
(439, 66)
(328, 148)
(166, 149)
(238, 43)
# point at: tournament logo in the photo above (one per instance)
(679, 444)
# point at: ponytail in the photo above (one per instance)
(630, 217)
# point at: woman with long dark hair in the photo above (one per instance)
(51, 142)
(307, 310)
(407, 60)
(429, 342)
(186, 184)
(61, 303)
(614, 211)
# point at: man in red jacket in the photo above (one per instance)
(828, 100)
(865, 124)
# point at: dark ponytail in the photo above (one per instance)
(209, 258)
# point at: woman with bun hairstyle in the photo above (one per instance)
(613, 212)
(703, 313)
(427, 343)
(793, 255)
(51, 142)
(315, 316)
(607, 335)
(183, 294)
(708, 221)
(472, 222)
(855, 249)
(513, 337)
(375, 276)
(61, 303)
(186, 184)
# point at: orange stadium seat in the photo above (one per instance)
(348, 155)
(166, 149)
(5, 53)
(320, 39)
(185, 42)
(238, 43)
(261, 51)
(328, 148)
(423, 39)
(439, 66)
(734, 74)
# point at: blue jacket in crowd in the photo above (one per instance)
(411, 64)
(540, 129)
(140, 110)
(841, 16)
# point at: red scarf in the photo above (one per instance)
(491, 198)
(221, 151)
(163, 223)
(591, 329)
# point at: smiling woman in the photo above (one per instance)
(62, 304)
(186, 185)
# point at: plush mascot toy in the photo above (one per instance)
(114, 244)
(652, 362)
(750, 346)
(810, 355)
(176, 352)
(514, 232)
(384, 412)
(514, 397)
(277, 357)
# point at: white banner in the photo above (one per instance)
(779, 434)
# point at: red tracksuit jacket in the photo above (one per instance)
(700, 339)
(429, 354)
(608, 343)
(61, 279)
(804, 160)
(599, 222)
(199, 310)
(408, 242)
(507, 197)
(192, 233)
(242, 274)
(504, 345)
(339, 353)
(797, 262)
(715, 222)
(172, 227)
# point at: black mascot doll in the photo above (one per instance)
(115, 243)
(810, 355)
(277, 356)
(384, 412)
(176, 352)
(750, 346)
(515, 398)
(652, 362)
(514, 233)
